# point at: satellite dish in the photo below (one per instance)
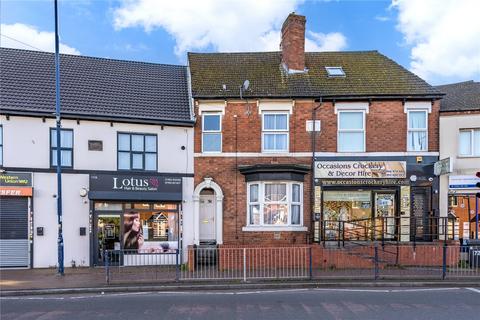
(246, 84)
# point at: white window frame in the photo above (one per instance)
(275, 131)
(472, 143)
(426, 111)
(261, 202)
(364, 130)
(206, 132)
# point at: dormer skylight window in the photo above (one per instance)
(335, 71)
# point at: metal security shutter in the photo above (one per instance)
(14, 232)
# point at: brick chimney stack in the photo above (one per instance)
(293, 43)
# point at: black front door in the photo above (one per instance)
(421, 224)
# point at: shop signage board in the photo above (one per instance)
(443, 166)
(365, 182)
(135, 187)
(360, 169)
(462, 182)
(16, 184)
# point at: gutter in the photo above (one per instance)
(332, 97)
(74, 116)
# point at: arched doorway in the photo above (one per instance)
(208, 215)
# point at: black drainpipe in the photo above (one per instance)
(312, 171)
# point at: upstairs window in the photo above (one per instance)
(417, 136)
(137, 152)
(212, 132)
(66, 147)
(275, 132)
(469, 143)
(351, 131)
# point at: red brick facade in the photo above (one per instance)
(386, 131)
(386, 128)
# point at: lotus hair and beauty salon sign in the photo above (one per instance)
(360, 169)
(135, 187)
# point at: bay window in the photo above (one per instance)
(469, 142)
(211, 132)
(351, 131)
(274, 132)
(275, 204)
(417, 136)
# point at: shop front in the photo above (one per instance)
(16, 219)
(372, 200)
(134, 215)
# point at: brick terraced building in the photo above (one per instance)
(314, 146)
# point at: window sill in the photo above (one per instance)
(274, 228)
(276, 152)
(467, 157)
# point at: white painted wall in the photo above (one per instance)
(26, 145)
(75, 215)
(449, 137)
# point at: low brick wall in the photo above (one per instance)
(228, 257)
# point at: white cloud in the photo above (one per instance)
(32, 39)
(233, 25)
(333, 41)
(382, 18)
(445, 37)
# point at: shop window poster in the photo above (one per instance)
(138, 236)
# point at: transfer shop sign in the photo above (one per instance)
(16, 184)
(360, 169)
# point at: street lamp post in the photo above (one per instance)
(58, 139)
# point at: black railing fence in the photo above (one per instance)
(374, 260)
(408, 229)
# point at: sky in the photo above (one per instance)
(439, 40)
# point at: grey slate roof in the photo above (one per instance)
(94, 88)
(368, 73)
(462, 96)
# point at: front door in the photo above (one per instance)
(207, 218)
(386, 224)
(420, 222)
(107, 237)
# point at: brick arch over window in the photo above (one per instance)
(208, 183)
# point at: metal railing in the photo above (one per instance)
(462, 262)
(134, 266)
(248, 263)
(388, 229)
(366, 261)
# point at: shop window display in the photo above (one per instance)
(150, 232)
(349, 212)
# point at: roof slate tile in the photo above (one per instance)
(93, 86)
(368, 73)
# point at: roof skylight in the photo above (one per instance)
(335, 71)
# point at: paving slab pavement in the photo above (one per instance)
(87, 280)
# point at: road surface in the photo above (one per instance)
(375, 303)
